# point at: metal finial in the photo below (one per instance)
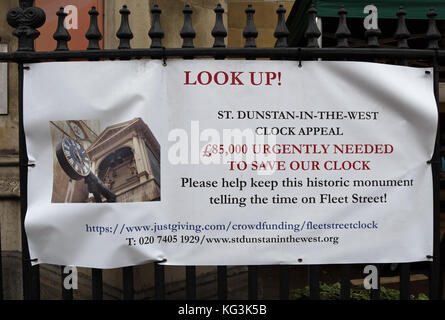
(61, 35)
(156, 33)
(312, 32)
(93, 34)
(402, 34)
(342, 34)
(372, 35)
(281, 32)
(187, 33)
(432, 34)
(124, 33)
(26, 19)
(250, 32)
(219, 32)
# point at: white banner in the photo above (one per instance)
(229, 162)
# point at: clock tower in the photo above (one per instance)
(126, 157)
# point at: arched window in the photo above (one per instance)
(118, 169)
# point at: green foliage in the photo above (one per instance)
(333, 292)
(422, 296)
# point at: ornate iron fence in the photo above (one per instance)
(27, 18)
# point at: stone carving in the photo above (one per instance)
(9, 187)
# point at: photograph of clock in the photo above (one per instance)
(118, 162)
(75, 162)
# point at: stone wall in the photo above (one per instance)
(9, 171)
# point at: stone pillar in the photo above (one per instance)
(9, 144)
(139, 158)
(144, 156)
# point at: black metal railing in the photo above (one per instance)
(27, 18)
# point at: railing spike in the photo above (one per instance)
(124, 33)
(402, 34)
(93, 34)
(312, 32)
(432, 35)
(156, 33)
(219, 32)
(281, 31)
(61, 35)
(250, 32)
(342, 34)
(187, 33)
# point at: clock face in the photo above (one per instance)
(77, 130)
(73, 158)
